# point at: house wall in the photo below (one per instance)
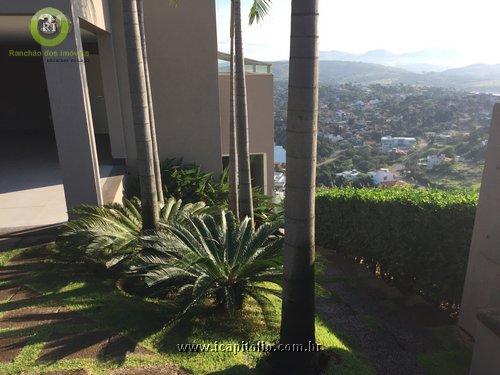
(182, 47)
(486, 355)
(184, 80)
(96, 12)
(482, 283)
(260, 119)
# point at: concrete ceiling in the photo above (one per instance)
(15, 30)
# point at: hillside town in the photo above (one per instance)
(386, 135)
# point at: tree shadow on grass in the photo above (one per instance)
(67, 295)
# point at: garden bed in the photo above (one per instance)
(73, 288)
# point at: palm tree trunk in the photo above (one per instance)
(245, 178)
(233, 150)
(140, 113)
(156, 158)
(297, 322)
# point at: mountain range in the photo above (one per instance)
(477, 77)
(429, 60)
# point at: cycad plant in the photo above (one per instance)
(214, 258)
(111, 234)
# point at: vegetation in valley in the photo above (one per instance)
(353, 118)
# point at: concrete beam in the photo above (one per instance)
(9, 7)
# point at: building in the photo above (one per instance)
(437, 160)
(348, 175)
(388, 143)
(279, 181)
(383, 177)
(334, 138)
(66, 129)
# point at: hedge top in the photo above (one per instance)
(406, 195)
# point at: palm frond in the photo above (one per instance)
(259, 9)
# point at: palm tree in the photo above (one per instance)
(234, 205)
(298, 313)
(259, 9)
(156, 158)
(141, 118)
(245, 178)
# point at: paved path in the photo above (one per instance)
(391, 330)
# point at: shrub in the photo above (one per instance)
(212, 257)
(420, 237)
(111, 234)
(189, 183)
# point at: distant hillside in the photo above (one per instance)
(430, 60)
(346, 71)
(480, 77)
(475, 71)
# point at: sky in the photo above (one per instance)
(470, 28)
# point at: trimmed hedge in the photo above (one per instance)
(420, 237)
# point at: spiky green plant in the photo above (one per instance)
(111, 234)
(213, 257)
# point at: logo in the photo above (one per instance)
(49, 27)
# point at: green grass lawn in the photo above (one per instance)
(79, 288)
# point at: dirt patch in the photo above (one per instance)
(7, 293)
(29, 317)
(11, 274)
(93, 345)
(70, 346)
(10, 347)
(24, 294)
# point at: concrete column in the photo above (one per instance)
(72, 119)
(111, 95)
(120, 49)
(482, 283)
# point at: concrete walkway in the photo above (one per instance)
(392, 330)
(31, 189)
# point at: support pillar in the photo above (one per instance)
(482, 283)
(72, 120)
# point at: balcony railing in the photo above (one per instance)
(253, 66)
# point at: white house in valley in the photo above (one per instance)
(383, 177)
(388, 143)
(349, 175)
